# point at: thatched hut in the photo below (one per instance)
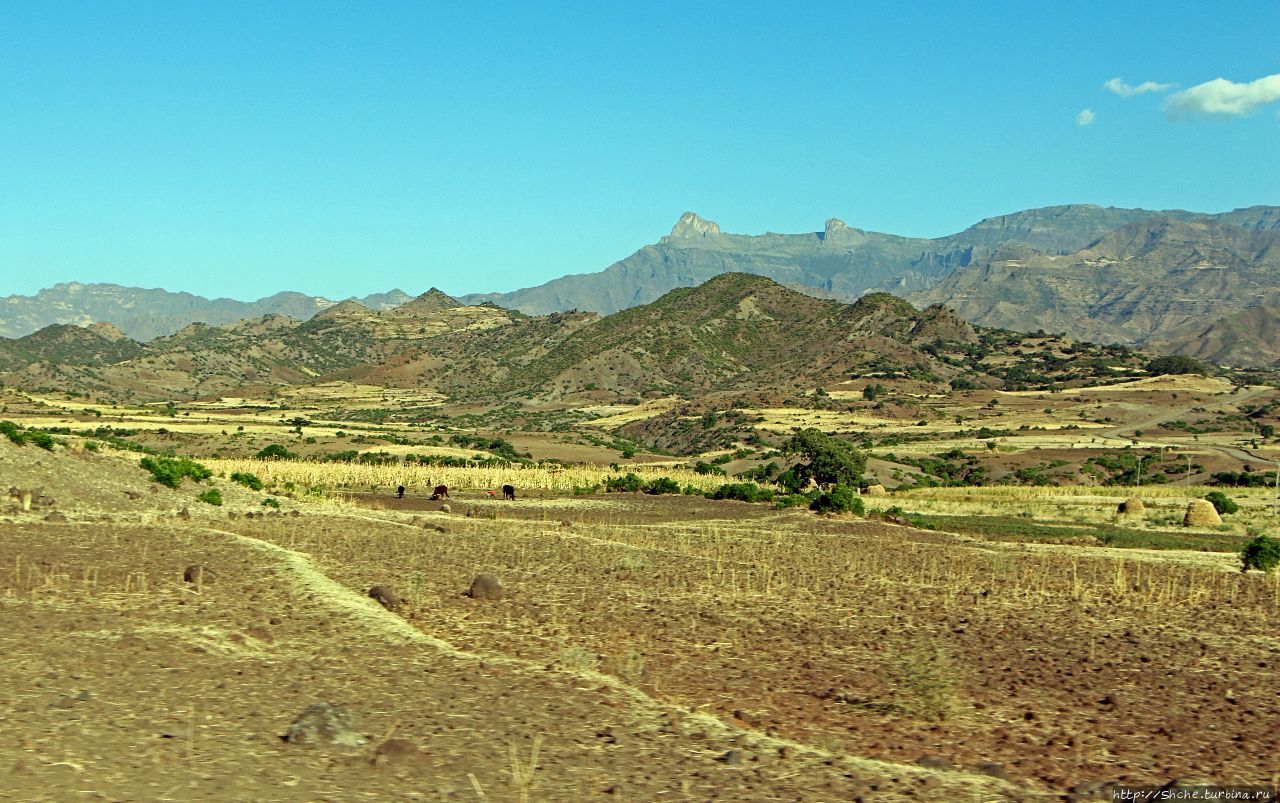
(1201, 513)
(876, 490)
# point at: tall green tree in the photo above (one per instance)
(825, 459)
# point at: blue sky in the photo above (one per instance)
(239, 149)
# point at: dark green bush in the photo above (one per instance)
(662, 485)
(42, 439)
(11, 431)
(1262, 553)
(703, 467)
(792, 482)
(1221, 502)
(248, 480)
(170, 471)
(271, 501)
(840, 499)
(276, 452)
(796, 500)
(743, 492)
(628, 484)
(212, 496)
(1177, 364)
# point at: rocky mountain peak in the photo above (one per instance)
(691, 225)
(433, 300)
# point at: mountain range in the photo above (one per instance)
(735, 333)
(1204, 288)
(840, 261)
(145, 314)
(1173, 281)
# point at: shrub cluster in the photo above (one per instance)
(1221, 502)
(212, 496)
(1263, 552)
(743, 492)
(840, 499)
(15, 434)
(248, 480)
(630, 483)
(276, 452)
(169, 471)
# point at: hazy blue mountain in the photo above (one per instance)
(145, 314)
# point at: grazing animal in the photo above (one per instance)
(400, 492)
(509, 492)
(441, 492)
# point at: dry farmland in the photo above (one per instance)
(995, 643)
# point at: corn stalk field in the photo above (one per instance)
(352, 476)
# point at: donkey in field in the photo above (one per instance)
(509, 492)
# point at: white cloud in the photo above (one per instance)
(1086, 117)
(1223, 98)
(1129, 90)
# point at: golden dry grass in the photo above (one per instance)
(314, 474)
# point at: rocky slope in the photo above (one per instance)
(1160, 283)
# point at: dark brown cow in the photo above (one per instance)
(441, 492)
(509, 492)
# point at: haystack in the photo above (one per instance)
(1131, 507)
(1201, 513)
(876, 490)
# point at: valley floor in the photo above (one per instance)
(646, 649)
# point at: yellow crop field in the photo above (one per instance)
(353, 475)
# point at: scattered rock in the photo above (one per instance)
(1201, 513)
(185, 513)
(56, 516)
(199, 574)
(933, 761)
(323, 723)
(386, 597)
(445, 508)
(992, 768)
(397, 751)
(733, 758)
(1187, 783)
(486, 587)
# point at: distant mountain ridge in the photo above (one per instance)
(145, 314)
(1180, 286)
(735, 333)
(974, 270)
(841, 261)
